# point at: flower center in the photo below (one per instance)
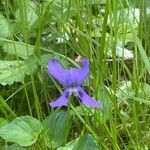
(74, 91)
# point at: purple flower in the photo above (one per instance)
(71, 79)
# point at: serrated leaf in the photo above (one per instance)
(19, 49)
(23, 130)
(4, 27)
(84, 142)
(56, 124)
(14, 71)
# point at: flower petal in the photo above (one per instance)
(78, 75)
(86, 99)
(68, 77)
(61, 101)
(57, 71)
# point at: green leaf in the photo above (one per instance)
(15, 71)
(4, 27)
(3, 121)
(23, 130)
(32, 16)
(45, 58)
(57, 129)
(83, 110)
(30, 13)
(84, 142)
(14, 147)
(125, 92)
(107, 105)
(19, 49)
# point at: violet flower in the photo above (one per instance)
(71, 79)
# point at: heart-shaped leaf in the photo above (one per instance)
(84, 142)
(18, 49)
(58, 129)
(11, 71)
(23, 130)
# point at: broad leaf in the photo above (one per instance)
(125, 91)
(3, 121)
(107, 105)
(23, 130)
(13, 147)
(32, 16)
(83, 110)
(18, 49)
(57, 129)
(4, 27)
(84, 142)
(11, 71)
(30, 13)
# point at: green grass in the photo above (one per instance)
(29, 35)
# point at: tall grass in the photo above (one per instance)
(93, 29)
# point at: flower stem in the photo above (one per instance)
(68, 119)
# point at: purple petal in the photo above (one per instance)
(69, 77)
(61, 101)
(86, 99)
(57, 71)
(78, 75)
